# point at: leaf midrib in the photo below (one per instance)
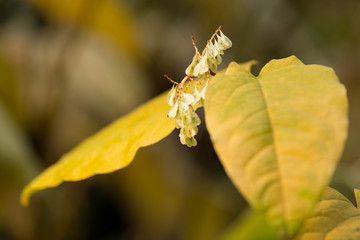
(281, 180)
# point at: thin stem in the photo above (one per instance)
(193, 43)
(208, 43)
(188, 84)
(168, 78)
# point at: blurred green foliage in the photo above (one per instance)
(248, 226)
(68, 68)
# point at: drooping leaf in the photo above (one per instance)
(112, 148)
(278, 135)
(334, 218)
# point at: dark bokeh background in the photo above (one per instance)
(68, 68)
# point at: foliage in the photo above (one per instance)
(279, 137)
(68, 68)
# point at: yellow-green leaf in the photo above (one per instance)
(112, 148)
(278, 135)
(235, 67)
(250, 226)
(334, 218)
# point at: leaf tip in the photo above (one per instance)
(24, 197)
(240, 67)
(276, 64)
(357, 197)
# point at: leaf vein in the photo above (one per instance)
(281, 180)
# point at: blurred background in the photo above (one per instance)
(70, 67)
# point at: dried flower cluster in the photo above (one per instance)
(183, 102)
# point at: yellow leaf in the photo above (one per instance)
(111, 149)
(334, 218)
(357, 197)
(236, 67)
(278, 135)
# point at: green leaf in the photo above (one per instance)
(334, 218)
(250, 226)
(278, 135)
(111, 149)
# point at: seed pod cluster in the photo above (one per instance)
(183, 103)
